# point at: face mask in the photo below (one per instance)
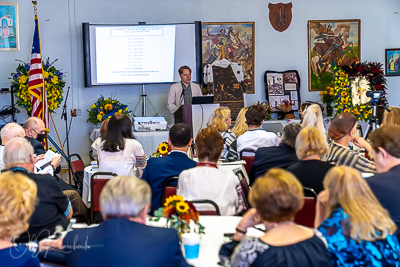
(40, 137)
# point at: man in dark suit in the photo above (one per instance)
(53, 207)
(123, 239)
(281, 156)
(159, 169)
(35, 132)
(385, 143)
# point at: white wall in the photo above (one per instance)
(60, 27)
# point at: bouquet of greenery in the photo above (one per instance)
(104, 108)
(53, 78)
(179, 213)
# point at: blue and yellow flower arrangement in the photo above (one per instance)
(54, 80)
(104, 108)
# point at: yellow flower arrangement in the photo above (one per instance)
(343, 92)
(54, 81)
(104, 108)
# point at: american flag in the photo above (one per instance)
(36, 86)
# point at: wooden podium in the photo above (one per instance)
(195, 116)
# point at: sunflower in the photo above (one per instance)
(107, 106)
(342, 84)
(163, 148)
(172, 199)
(343, 93)
(344, 101)
(101, 113)
(182, 207)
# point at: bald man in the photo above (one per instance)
(8, 132)
(35, 132)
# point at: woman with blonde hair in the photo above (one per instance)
(310, 148)
(240, 124)
(359, 231)
(392, 117)
(312, 117)
(220, 120)
(17, 201)
(276, 198)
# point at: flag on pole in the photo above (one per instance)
(36, 84)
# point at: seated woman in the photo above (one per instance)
(103, 129)
(276, 198)
(17, 201)
(220, 120)
(310, 148)
(240, 124)
(118, 151)
(255, 137)
(359, 231)
(206, 181)
(122, 239)
(392, 117)
(312, 117)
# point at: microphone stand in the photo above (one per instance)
(64, 115)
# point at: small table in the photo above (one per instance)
(87, 173)
(210, 243)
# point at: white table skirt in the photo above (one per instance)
(149, 140)
(210, 243)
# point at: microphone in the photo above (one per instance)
(58, 232)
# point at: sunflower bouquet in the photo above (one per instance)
(343, 93)
(179, 213)
(104, 108)
(53, 78)
(162, 150)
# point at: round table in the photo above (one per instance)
(210, 243)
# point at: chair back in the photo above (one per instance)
(96, 185)
(215, 212)
(245, 189)
(77, 167)
(248, 157)
(168, 190)
(306, 215)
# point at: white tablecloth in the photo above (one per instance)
(86, 185)
(149, 140)
(210, 243)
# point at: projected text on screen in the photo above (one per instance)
(132, 54)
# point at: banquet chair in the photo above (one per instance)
(215, 212)
(245, 189)
(96, 185)
(77, 166)
(168, 190)
(306, 215)
(248, 157)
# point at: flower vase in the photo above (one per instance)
(329, 110)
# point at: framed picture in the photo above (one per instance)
(331, 43)
(233, 41)
(392, 62)
(9, 33)
(281, 86)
